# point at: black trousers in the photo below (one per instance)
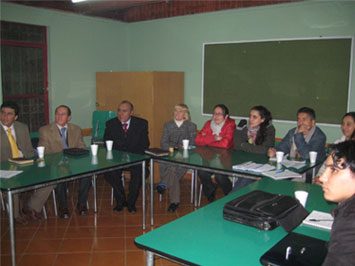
(209, 188)
(84, 187)
(114, 178)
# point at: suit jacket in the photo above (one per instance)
(49, 137)
(135, 140)
(23, 141)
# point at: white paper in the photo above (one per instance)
(293, 164)
(8, 174)
(253, 167)
(282, 174)
(321, 220)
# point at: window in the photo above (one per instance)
(24, 71)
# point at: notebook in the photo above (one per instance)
(319, 219)
(156, 152)
(282, 174)
(296, 250)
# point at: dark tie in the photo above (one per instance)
(125, 127)
(63, 137)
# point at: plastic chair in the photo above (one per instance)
(99, 119)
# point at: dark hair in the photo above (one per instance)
(224, 108)
(308, 111)
(129, 103)
(63, 106)
(343, 155)
(12, 105)
(266, 115)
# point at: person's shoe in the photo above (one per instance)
(32, 214)
(161, 187)
(21, 220)
(63, 213)
(82, 209)
(173, 207)
(119, 207)
(132, 209)
(211, 198)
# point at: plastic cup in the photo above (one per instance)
(109, 144)
(94, 148)
(279, 156)
(171, 149)
(42, 164)
(185, 144)
(312, 157)
(40, 152)
(301, 196)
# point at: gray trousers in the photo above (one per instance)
(171, 176)
(39, 198)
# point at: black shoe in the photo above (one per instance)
(64, 213)
(120, 207)
(173, 207)
(82, 209)
(132, 209)
(161, 187)
(211, 198)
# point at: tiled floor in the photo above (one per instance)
(105, 238)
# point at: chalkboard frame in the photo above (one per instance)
(206, 107)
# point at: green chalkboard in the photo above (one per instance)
(282, 75)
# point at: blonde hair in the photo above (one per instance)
(184, 108)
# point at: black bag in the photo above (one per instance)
(265, 210)
(75, 151)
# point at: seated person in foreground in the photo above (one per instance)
(256, 137)
(304, 138)
(338, 183)
(217, 132)
(179, 128)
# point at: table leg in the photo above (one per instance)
(95, 197)
(196, 188)
(143, 193)
(150, 258)
(151, 192)
(12, 228)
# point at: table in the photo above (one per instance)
(203, 237)
(57, 168)
(214, 160)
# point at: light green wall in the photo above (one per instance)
(80, 46)
(176, 43)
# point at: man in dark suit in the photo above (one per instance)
(130, 134)
(15, 143)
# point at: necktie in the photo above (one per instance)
(125, 127)
(63, 137)
(14, 150)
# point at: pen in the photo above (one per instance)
(320, 220)
(288, 252)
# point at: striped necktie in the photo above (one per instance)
(64, 137)
(14, 149)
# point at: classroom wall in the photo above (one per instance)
(79, 46)
(176, 43)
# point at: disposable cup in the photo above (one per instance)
(312, 157)
(301, 196)
(279, 156)
(40, 152)
(185, 144)
(94, 148)
(109, 144)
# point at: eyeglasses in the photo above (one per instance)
(218, 114)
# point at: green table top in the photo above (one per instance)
(57, 166)
(220, 159)
(203, 237)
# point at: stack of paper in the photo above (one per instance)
(293, 164)
(253, 167)
(319, 219)
(281, 174)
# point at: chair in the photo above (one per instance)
(99, 119)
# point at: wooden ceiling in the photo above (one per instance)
(140, 10)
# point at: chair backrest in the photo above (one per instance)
(99, 119)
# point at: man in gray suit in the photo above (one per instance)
(15, 143)
(61, 135)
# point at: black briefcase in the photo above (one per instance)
(265, 210)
